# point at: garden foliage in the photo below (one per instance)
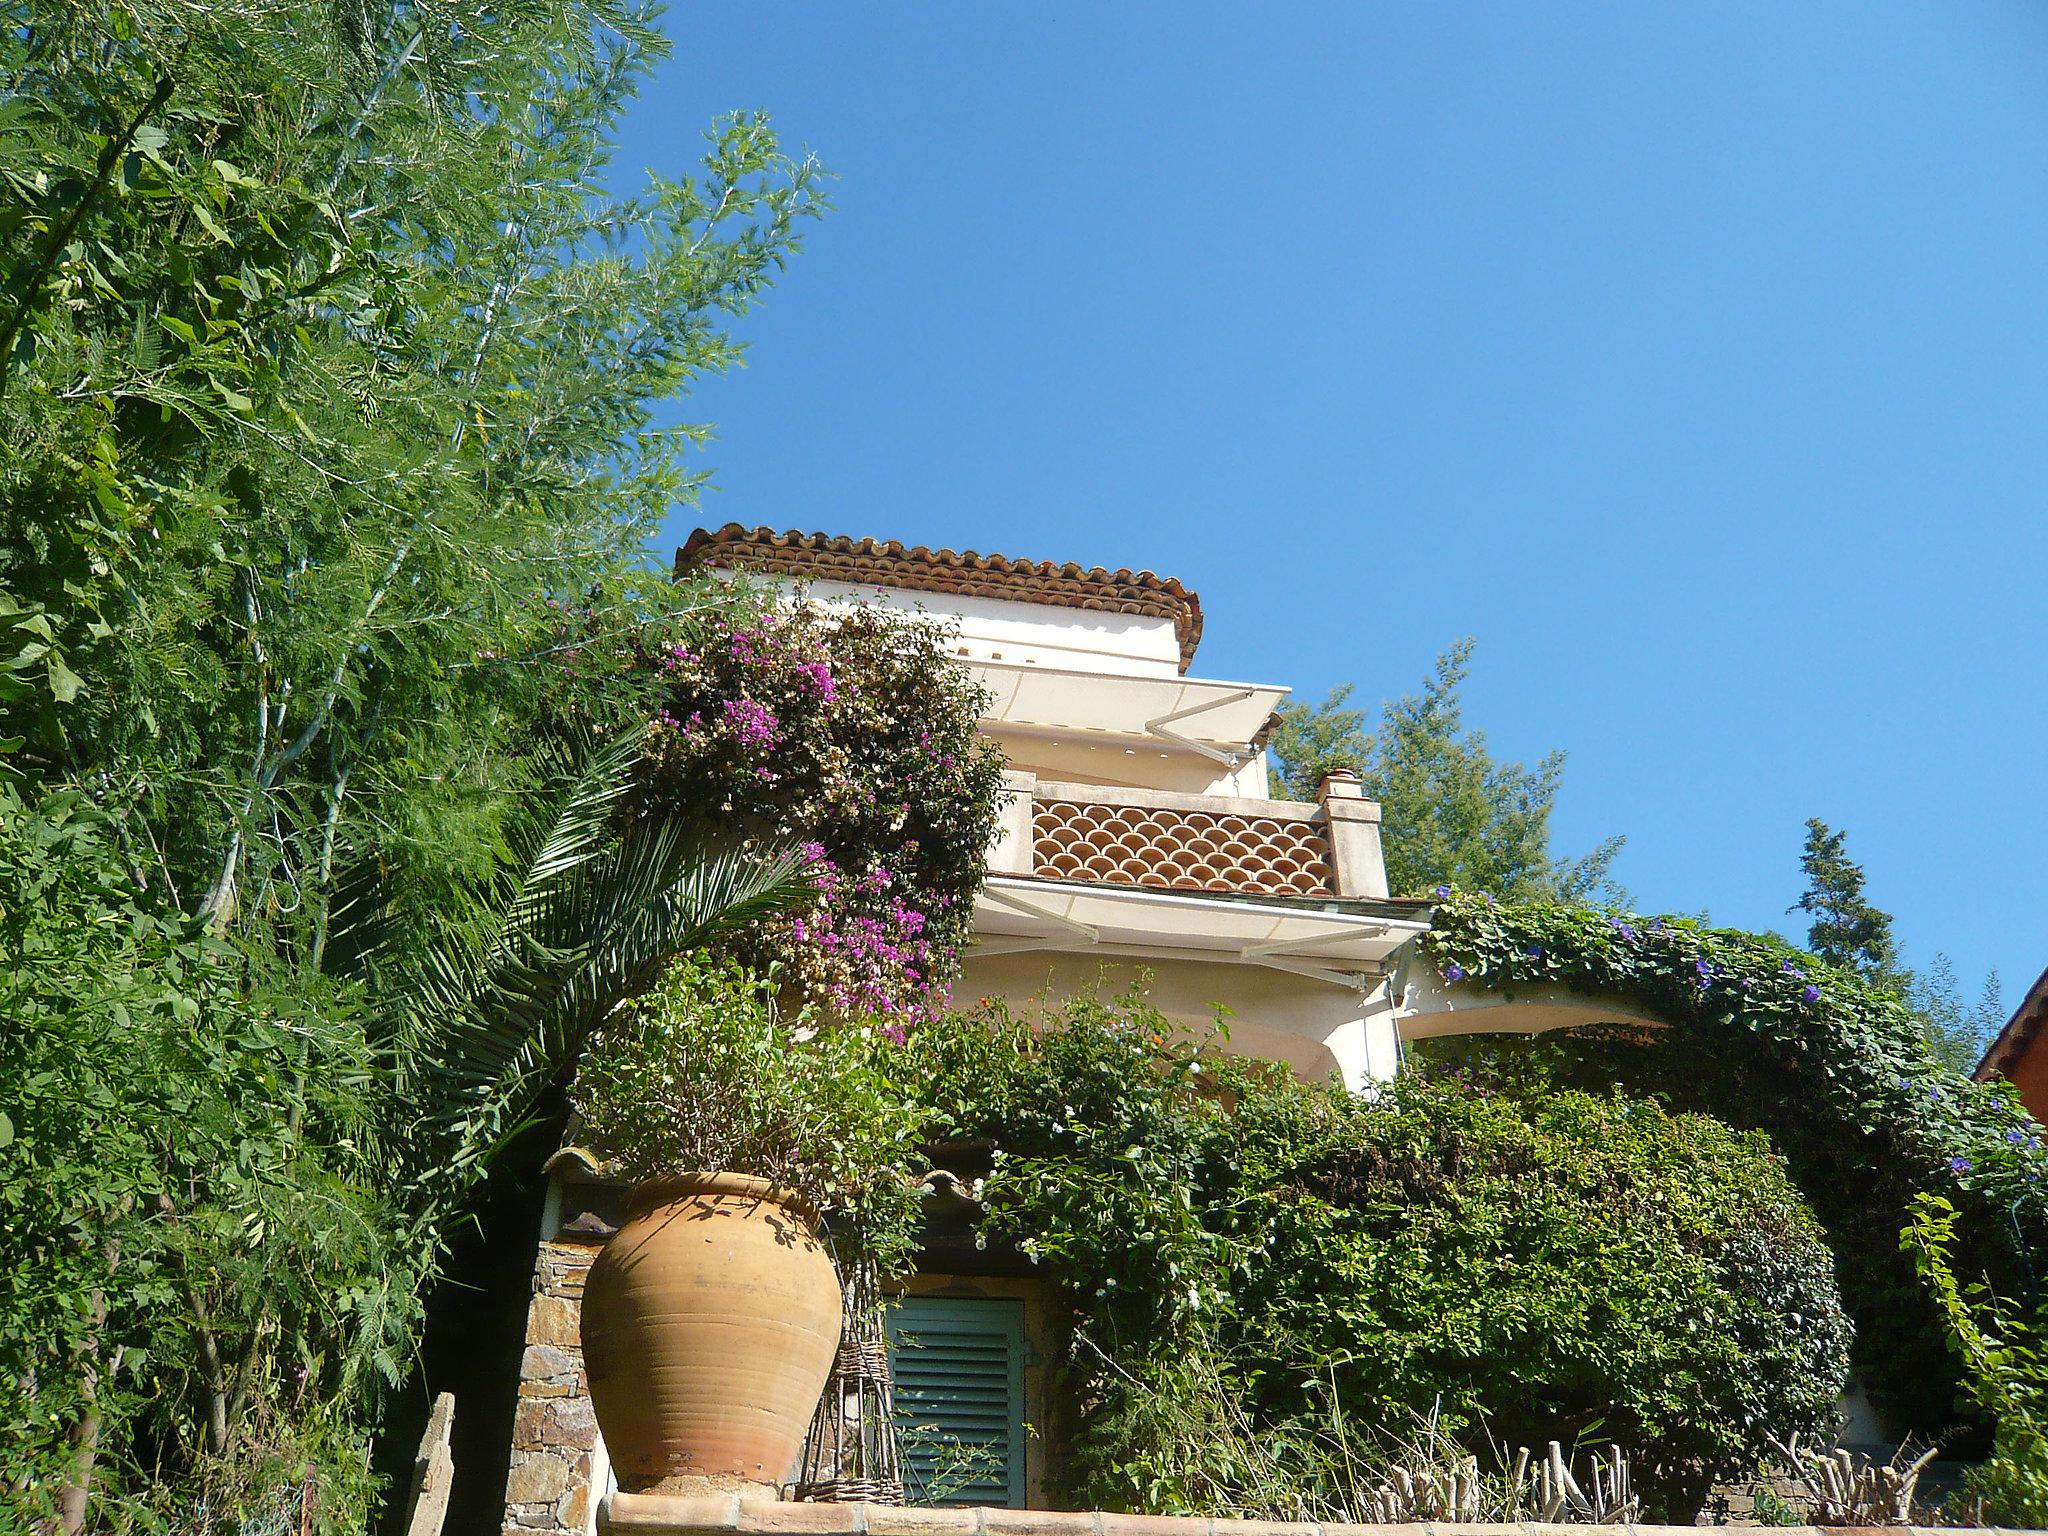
(705, 1073)
(2004, 1370)
(329, 376)
(1836, 1071)
(1248, 1254)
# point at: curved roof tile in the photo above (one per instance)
(873, 562)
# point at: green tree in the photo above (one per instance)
(1848, 929)
(1957, 1032)
(1452, 813)
(329, 375)
(332, 394)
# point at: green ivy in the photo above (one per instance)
(1837, 1072)
(1250, 1258)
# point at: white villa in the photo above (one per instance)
(1138, 836)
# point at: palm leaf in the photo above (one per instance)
(490, 1013)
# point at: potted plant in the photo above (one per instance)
(711, 1317)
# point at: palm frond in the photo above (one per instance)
(488, 1017)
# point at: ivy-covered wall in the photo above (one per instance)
(1837, 1073)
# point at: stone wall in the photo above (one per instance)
(554, 1429)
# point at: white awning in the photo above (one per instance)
(1213, 718)
(1337, 941)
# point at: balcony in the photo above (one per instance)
(1219, 844)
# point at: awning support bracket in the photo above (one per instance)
(1160, 727)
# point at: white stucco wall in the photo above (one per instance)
(1034, 634)
(1316, 1028)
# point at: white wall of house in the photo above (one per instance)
(1033, 634)
(1318, 1029)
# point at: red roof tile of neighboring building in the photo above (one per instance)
(874, 563)
(2020, 1036)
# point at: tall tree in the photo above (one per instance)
(1848, 929)
(333, 390)
(329, 377)
(1451, 812)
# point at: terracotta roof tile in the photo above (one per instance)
(872, 562)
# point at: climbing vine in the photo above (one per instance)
(1837, 1072)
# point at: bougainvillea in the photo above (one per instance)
(1835, 1071)
(848, 732)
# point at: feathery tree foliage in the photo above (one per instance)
(329, 381)
(1452, 813)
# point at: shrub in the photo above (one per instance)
(1835, 1071)
(850, 732)
(703, 1074)
(1572, 1266)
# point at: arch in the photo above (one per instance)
(1431, 1008)
(1765, 1037)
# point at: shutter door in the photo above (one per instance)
(959, 1368)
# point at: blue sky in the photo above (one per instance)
(1693, 358)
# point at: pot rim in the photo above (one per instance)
(668, 1187)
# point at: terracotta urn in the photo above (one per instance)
(710, 1321)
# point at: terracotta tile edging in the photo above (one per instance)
(653, 1514)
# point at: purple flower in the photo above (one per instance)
(1534, 951)
(2016, 1137)
(1623, 929)
(1810, 993)
(1703, 969)
(1443, 893)
(819, 676)
(752, 724)
(1454, 972)
(1959, 1165)
(1791, 970)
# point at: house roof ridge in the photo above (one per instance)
(920, 567)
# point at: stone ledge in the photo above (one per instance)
(654, 1514)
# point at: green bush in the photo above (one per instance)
(703, 1074)
(1570, 1267)
(1836, 1072)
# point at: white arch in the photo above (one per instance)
(1429, 1008)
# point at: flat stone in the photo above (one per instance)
(714, 1512)
(778, 1519)
(573, 1509)
(1152, 1525)
(1038, 1522)
(529, 1422)
(906, 1520)
(571, 1421)
(537, 1477)
(544, 1362)
(557, 1321)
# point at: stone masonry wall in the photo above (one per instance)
(554, 1429)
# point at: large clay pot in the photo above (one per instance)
(710, 1321)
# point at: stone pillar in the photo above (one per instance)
(1010, 850)
(1353, 823)
(554, 1429)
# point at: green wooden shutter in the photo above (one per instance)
(959, 1368)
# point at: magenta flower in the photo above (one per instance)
(752, 724)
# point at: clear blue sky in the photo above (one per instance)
(1694, 358)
